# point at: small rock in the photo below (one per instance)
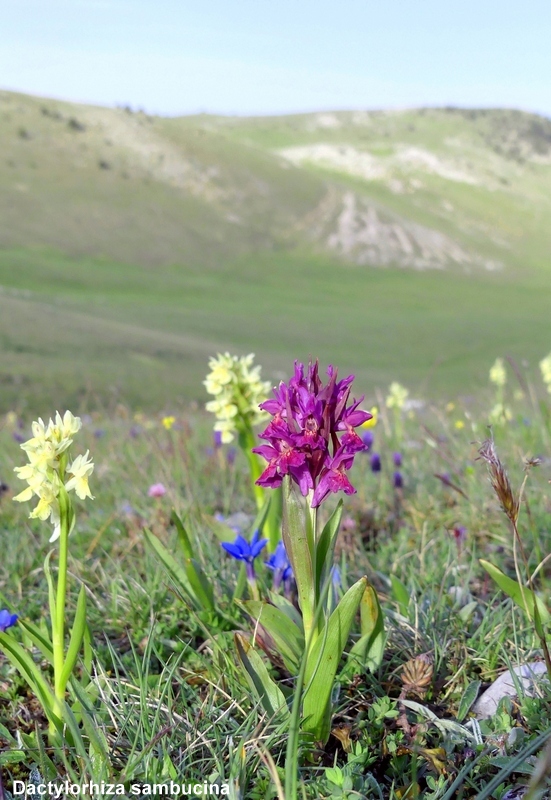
(504, 686)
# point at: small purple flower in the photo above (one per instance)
(459, 534)
(7, 620)
(156, 490)
(397, 458)
(243, 551)
(134, 431)
(217, 439)
(375, 462)
(368, 439)
(398, 480)
(99, 433)
(279, 563)
(18, 437)
(230, 455)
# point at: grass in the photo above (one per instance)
(91, 333)
(166, 697)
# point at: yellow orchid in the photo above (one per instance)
(81, 468)
(498, 374)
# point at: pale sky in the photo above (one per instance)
(257, 57)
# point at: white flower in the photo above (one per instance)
(81, 468)
(545, 367)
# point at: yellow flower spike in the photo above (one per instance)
(168, 422)
(498, 374)
(397, 395)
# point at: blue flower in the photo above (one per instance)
(279, 563)
(375, 462)
(398, 480)
(243, 551)
(7, 619)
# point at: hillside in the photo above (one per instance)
(132, 247)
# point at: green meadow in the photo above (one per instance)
(407, 245)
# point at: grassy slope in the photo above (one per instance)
(128, 277)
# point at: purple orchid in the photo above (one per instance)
(242, 550)
(7, 620)
(312, 435)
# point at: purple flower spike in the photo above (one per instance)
(312, 435)
(242, 550)
(7, 620)
(398, 480)
(375, 462)
(397, 458)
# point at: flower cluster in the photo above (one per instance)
(397, 396)
(238, 391)
(545, 367)
(498, 375)
(47, 469)
(303, 436)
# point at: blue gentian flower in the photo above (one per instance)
(7, 620)
(242, 550)
(398, 480)
(375, 462)
(279, 563)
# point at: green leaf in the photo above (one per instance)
(467, 699)
(77, 635)
(26, 667)
(288, 609)
(400, 594)
(297, 538)
(288, 638)
(369, 649)
(513, 589)
(272, 525)
(189, 579)
(198, 581)
(325, 547)
(183, 537)
(262, 685)
(323, 662)
(38, 638)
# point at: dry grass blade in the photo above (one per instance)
(499, 480)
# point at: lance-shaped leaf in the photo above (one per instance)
(75, 642)
(325, 547)
(522, 596)
(369, 649)
(288, 638)
(299, 546)
(323, 662)
(400, 594)
(199, 582)
(288, 609)
(26, 667)
(38, 638)
(263, 687)
(187, 577)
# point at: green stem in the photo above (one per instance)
(58, 632)
(247, 441)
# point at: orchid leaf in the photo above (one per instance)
(199, 582)
(288, 609)
(263, 687)
(368, 651)
(288, 638)
(323, 662)
(77, 635)
(400, 594)
(522, 596)
(297, 538)
(326, 546)
(38, 638)
(190, 579)
(26, 667)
